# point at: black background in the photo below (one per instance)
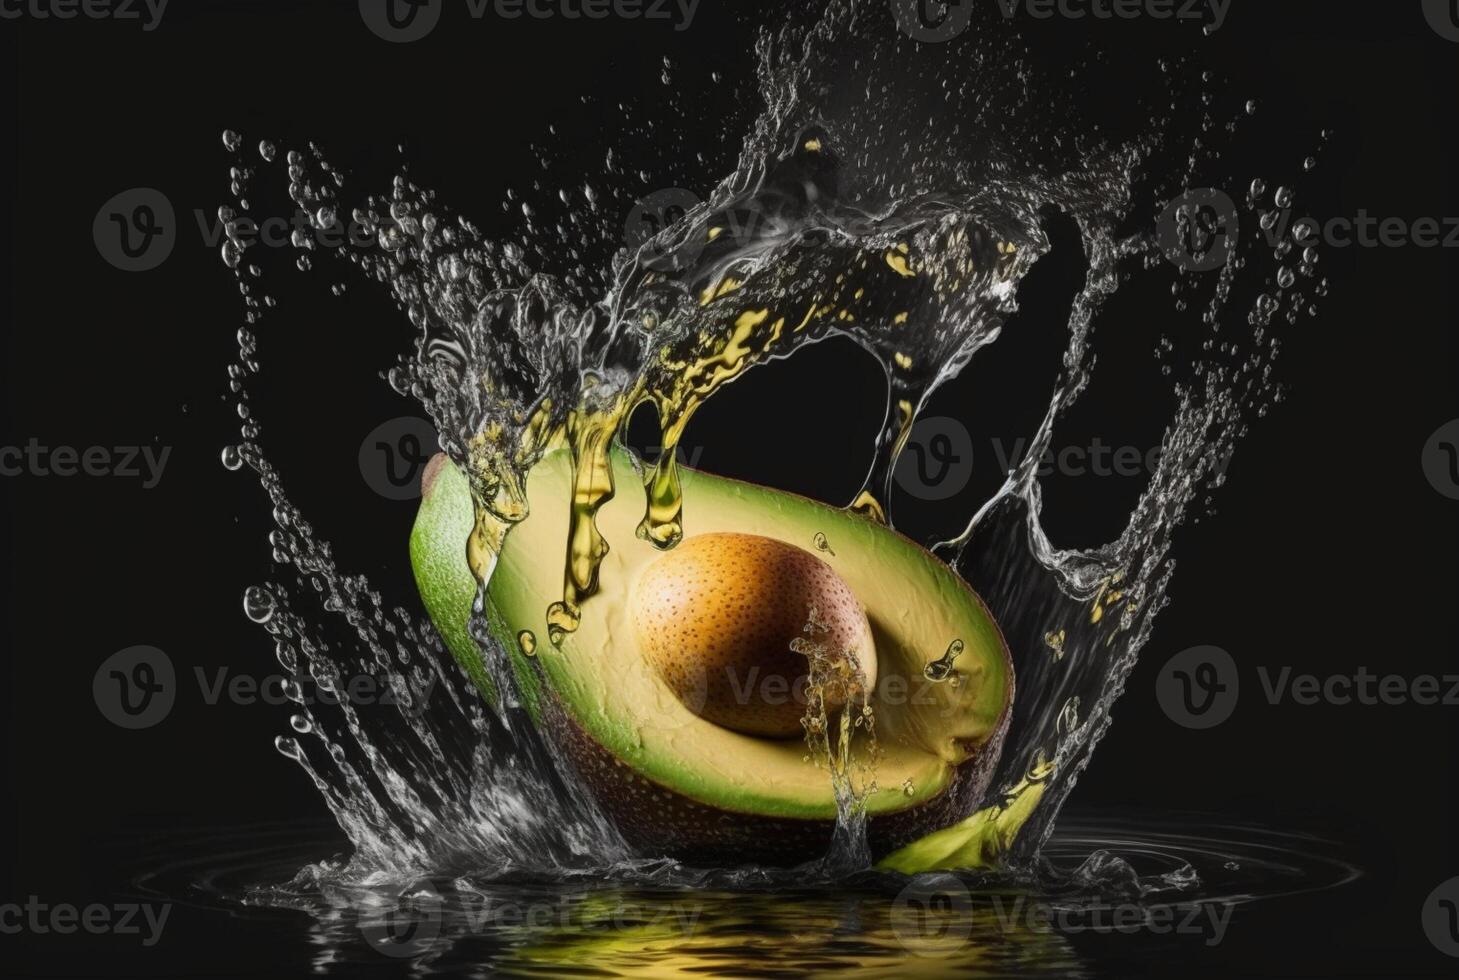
(1329, 549)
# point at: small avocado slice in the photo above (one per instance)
(674, 782)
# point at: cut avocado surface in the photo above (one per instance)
(927, 733)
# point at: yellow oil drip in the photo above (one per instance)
(868, 506)
(1055, 640)
(898, 262)
(590, 437)
(942, 669)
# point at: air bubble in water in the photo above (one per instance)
(232, 458)
(232, 140)
(267, 150)
(258, 604)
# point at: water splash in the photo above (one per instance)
(898, 208)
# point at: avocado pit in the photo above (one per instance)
(730, 621)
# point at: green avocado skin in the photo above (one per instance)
(443, 577)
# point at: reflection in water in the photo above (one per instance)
(1115, 875)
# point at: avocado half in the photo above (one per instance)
(673, 782)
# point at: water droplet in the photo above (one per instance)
(1069, 716)
(527, 640)
(258, 604)
(1251, 107)
(287, 746)
(1283, 197)
(232, 458)
(267, 150)
(231, 140)
(940, 670)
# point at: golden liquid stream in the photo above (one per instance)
(738, 333)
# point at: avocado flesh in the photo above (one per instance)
(916, 606)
